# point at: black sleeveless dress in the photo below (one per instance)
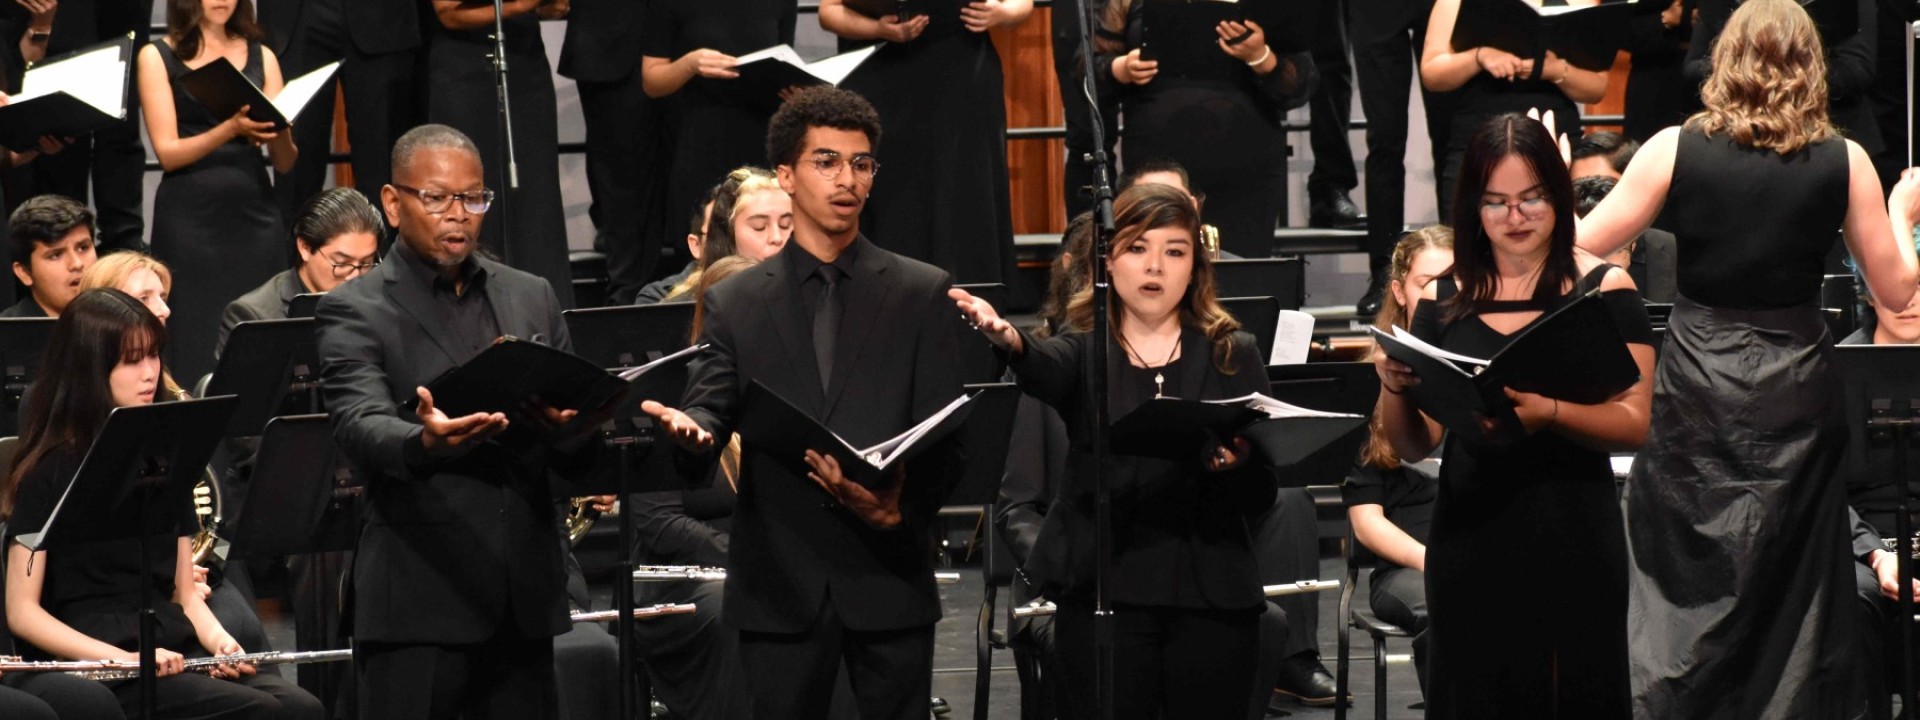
(1737, 532)
(1546, 508)
(215, 225)
(943, 197)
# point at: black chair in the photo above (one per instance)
(997, 567)
(1361, 617)
(1283, 278)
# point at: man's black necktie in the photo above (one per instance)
(826, 322)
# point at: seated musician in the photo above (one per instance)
(337, 234)
(658, 290)
(1390, 503)
(82, 603)
(52, 241)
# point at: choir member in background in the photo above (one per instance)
(51, 238)
(937, 80)
(377, 43)
(755, 219)
(1387, 36)
(214, 219)
(1539, 495)
(1389, 501)
(336, 236)
(688, 49)
(106, 167)
(528, 230)
(1239, 161)
(1488, 81)
(1069, 72)
(1602, 154)
(80, 603)
(624, 142)
(1658, 94)
(698, 228)
(1184, 578)
(1333, 177)
(1753, 619)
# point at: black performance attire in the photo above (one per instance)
(269, 301)
(51, 696)
(1036, 469)
(87, 587)
(1223, 126)
(1332, 103)
(1406, 494)
(692, 660)
(1069, 70)
(1184, 584)
(1873, 510)
(710, 134)
(458, 580)
(1658, 95)
(1483, 98)
(602, 56)
(809, 584)
(378, 45)
(527, 227)
(1545, 504)
(26, 308)
(215, 225)
(946, 201)
(1387, 36)
(1741, 574)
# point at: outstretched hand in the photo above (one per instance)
(984, 318)
(448, 437)
(682, 430)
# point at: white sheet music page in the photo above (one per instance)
(299, 91)
(97, 78)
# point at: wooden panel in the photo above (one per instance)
(1615, 101)
(1035, 168)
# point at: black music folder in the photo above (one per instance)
(74, 94)
(510, 373)
(1585, 36)
(771, 423)
(223, 89)
(765, 73)
(1281, 434)
(1573, 354)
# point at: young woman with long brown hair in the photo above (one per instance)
(1184, 580)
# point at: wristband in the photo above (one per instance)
(1264, 54)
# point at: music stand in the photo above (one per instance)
(617, 338)
(1881, 397)
(1283, 278)
(309, 499)
(273, 366)
(304, 305)
(23, 342)
(144, 461)
(1257, 315)
(979, 363)
(1345, 387)
(987, 432)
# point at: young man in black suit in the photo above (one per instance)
(823, 571)
(459, 578)
(52, 241)
(337, 237)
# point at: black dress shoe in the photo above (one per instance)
(1305, 680)
(1334, 210)
(1369, 304)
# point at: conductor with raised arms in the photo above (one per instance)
(822, 570)
(459, 581)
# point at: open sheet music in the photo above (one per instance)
(74, 94)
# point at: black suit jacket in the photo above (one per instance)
(603, 40)
(793, 547)
(451, 550)
(267, 302)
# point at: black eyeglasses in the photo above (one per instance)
(439, 201)
(342, 271)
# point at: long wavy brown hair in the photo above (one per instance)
(1379, 452)
(1768, 88)
(1150, 207)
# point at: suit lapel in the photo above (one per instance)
(787, 312)
(867, 298)
(408, 294)
(506, 314)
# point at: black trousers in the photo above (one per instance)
(318, 624)
(57, 696)
(383, 102)
(507, 677)
(1167, 663)
(108, 168)
(693, 661)
(1287, 549)
(1331, 106)
(792, 676)
(191, 696)
(586, 662)
(628, 201)
(1399, 596)
(1386, 37)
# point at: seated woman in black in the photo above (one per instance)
(1183, 583)
(82, 603)
(1539, 498)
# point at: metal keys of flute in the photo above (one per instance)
(667, 573)
(640, 613)
(115, 670)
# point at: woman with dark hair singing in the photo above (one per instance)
(83, 602)
(1742, 575)
(1539, 497)
(1184, 586)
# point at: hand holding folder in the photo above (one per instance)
(771, 423)
(1280, 434)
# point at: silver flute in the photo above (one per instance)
(117, 670)
(664, 573)
(639, 613)
(1041, 607)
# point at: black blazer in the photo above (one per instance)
(449, 548)
(603, 40)
(267, 302)
(793, 547)
(1180, 532)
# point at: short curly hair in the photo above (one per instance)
(818, 106)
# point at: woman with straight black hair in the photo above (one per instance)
(1538, 498)
(84, 602)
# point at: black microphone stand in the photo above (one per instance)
(506, 110)
(1096, 378)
